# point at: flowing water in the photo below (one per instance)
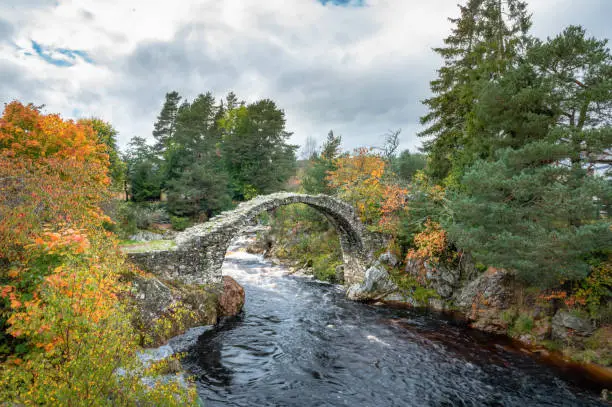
(299, 342)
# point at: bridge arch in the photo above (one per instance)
(199, 251)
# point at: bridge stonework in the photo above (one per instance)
(198, 254)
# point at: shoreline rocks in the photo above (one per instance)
(166, 309)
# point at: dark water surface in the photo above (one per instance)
(301, 343)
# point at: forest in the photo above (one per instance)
(514, 172)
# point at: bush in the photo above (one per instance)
(522, 325)
(131, 217)
(64, 333)
(179, 223)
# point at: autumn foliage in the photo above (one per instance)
(63, 332)
(360, 178)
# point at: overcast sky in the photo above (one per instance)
(360, 68)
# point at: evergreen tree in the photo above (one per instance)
(407, 164)
(196, 181)
(255, 150)
(143, 172)
(530, 213)
(165, 125)
(488, 37)
(315, 178)
(539, 208)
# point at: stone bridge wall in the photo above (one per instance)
(200, 250)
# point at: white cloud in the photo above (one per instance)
(358, 70)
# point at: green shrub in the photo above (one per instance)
(522, 325)
(509, 315)
(411, 288)
(179, 223)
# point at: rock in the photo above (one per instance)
(442, 279)
(376, 285)
(389, 259)
(565, 325)
(232, 298)
(484, 299)
(398, 297)
(146, 236)
(164, 309)
(152, 297)
(169, 235)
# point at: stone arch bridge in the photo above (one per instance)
(197, 254)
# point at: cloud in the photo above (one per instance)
(6, 30)
(360, 68)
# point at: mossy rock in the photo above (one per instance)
(162, 309)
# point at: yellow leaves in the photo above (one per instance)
(358, 178)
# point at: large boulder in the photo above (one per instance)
(163, 309)
(376, 285)
(151, 297)
(389, 259)
(484, 299)
(231, 299)
(446, 279)
(566, 326)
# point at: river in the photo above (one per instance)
(299, 342)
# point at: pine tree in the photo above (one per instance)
(315, 178)
(538, 207)
(143, 172)
(530, 213)
(196, 181)
(165, 125)
(488, 37)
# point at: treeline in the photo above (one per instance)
(517, 139)
(208, 154)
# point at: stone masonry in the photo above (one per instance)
(198, 254)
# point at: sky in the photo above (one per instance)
(359, 67)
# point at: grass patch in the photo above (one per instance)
(141, 247)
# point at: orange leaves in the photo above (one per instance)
(51, 170)
(431, 243)
(63, 274)
(5, 290)
(393, 200)
(65, 241)
(35, 135)
(553, 295)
